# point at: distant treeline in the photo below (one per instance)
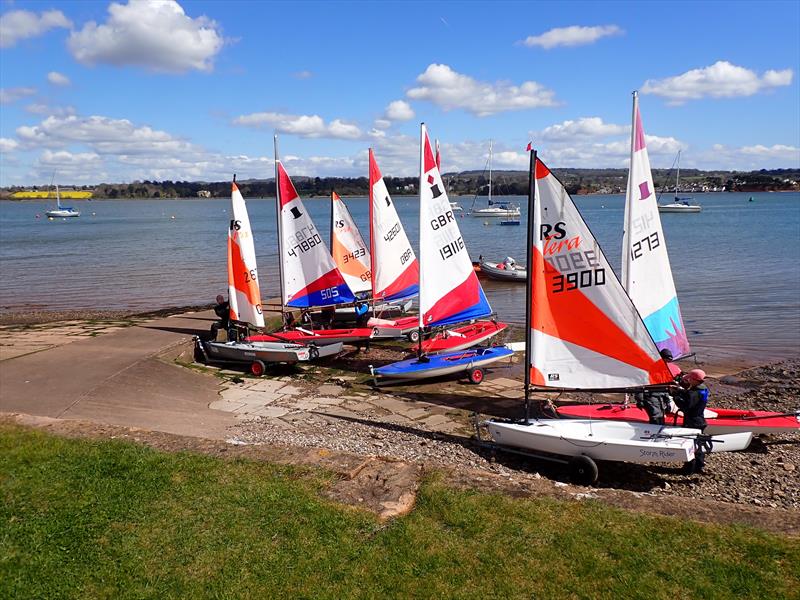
(467, 183)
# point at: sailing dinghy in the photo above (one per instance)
(585, 334)
(309, 275)
(449, 291)
(244, 297)
(647, 277)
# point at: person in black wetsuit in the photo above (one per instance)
(223, 311)
(655, 403)
(692, 398)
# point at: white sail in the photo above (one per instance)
(350, 252)
(395, 270)
(585, 332)
(244, 295)
(449, 289)
(646, 271)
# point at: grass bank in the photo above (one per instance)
(112, 519)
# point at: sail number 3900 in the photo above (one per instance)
(578, 279)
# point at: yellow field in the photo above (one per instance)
(66, 194)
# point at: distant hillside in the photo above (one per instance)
(466, 183)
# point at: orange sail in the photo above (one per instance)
(243, 291)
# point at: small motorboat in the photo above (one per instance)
(470, 362)
(508, 270)
(320, 337)
(609, 440)
(462, 337)
(720, 420)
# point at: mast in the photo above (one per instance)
(58, 198)
(280, 228)
(330, 243)
(626, 272)
(490, 172)
(419, 258)
(678, 175)
(371, 231)
(529, 282)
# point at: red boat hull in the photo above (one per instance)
(726, 420)
(463, 337)
(321, 337)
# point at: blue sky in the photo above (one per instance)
(154, 89)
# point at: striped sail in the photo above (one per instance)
(646, 271)
(449, 288)
(349, 251)
(244, 296)
(585, 331)
(310, 277)
(395, 270)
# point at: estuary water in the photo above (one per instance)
(736, 264)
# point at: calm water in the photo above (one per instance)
(736, 264)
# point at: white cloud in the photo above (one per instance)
(448, 89)
(44, 109)
(399, 110)
(103, 135)
(303, 75)
(571, 36)
(154, 34)
(7, 144)
(58, 79)
(308, 126)
(9, 95)
(382, 123)
(584, 127)
(720, 80)
(22, 24)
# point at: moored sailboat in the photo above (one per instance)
(61, 211)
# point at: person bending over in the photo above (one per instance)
(692, 398)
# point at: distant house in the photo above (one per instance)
(204, 194)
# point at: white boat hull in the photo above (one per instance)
(495, 212)
(62, 213)
(610, 440)
(493, 272)
(679, 208)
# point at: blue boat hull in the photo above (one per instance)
(444, 364)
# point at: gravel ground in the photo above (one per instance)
(767, 474)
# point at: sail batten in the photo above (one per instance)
(310, 276)
(646, 269)
(244, 296)
(585, 332)
(449, 289)
(395, 270)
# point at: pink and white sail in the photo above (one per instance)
(646, 270)
(449, 289)
(350, 252)
(585, 332)
(395, 270)
(310, 277)
(244, 295)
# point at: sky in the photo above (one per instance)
(195, 90)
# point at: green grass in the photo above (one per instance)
(111, 519)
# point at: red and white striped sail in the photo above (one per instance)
(349, 251)
(244, 296)
(585, 331)
(449, 291)
(395, 270)
(310, 277)
(646, 271)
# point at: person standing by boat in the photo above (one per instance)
(692, 398)
(223, 311)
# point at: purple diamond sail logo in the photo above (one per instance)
(644, 190)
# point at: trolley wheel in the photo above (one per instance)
(257, 368)
(583, 469)
(413, 336)
(476, 376)
(313, 352)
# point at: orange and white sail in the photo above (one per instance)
(395, 270)
(646, 271)
(350, 252)
(585, 331)
(244, 295)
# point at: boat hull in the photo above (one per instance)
(460, 338)
(679, 208)
(609, 440)
(321, 337)
(63, 213)
(444, 364)
(393, 328)
(266, 352)
(725, 421)
(493, 272)
(496, 212)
